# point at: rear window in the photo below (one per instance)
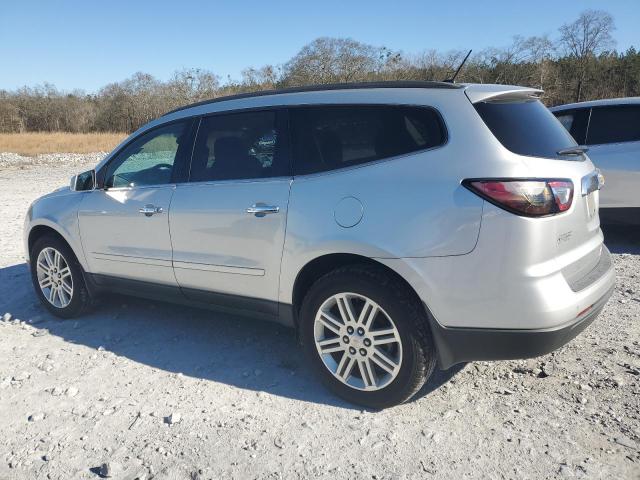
(329, 137)
(525, 127)
(614, 125)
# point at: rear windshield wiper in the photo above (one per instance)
(573, 151)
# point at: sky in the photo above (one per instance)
(88, 44)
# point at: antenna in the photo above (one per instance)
(453, 79)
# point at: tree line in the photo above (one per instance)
(579, 64)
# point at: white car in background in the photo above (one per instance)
(611, 131)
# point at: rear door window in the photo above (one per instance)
(329, 137)
(614, 125)
(237, 146)
(525, 127)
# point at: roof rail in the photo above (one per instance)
(328, 86)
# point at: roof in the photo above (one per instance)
(329, 86)
(598, 103)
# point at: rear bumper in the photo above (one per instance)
(457, 345)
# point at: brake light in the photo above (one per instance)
(530, 198)
(562, 192)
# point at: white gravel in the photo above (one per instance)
(140, 389)
(13, 160)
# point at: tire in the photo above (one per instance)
(409, 346)
(73, 288)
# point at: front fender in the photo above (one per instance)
(60, 213)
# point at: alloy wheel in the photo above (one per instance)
(358, 341)
(54, 277)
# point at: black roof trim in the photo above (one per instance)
(328, 86)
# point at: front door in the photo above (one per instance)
(124, 223)
(228, 222)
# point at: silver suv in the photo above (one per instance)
(395, 226)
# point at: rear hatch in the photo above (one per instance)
(527, 129)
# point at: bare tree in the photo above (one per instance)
(191, 85)
(266, 77)
(333, 60)
(586, 37)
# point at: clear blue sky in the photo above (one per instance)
(87, 44)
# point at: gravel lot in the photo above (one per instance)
(167, 392)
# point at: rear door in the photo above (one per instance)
(228, 222)
(124, 222)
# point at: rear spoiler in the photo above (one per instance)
(489, 93)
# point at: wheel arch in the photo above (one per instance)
(41, 229)
(319, 266)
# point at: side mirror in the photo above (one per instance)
(83, 181)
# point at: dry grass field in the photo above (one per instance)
(34, 143)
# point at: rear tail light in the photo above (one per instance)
(530, 198)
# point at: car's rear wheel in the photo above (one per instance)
(367, 336)
(57, 277)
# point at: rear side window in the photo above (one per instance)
(614, 125)
(575, 121)
(525, 127)
(329, 137)
(239, 146)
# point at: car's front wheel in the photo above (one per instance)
(57, 277)
(366, 336)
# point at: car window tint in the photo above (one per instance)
(148, 160)
(238, 146)
(329, 137)
(566, 119)
(575, 121)
(525, 127)
(614, 124)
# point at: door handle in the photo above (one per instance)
(149, 210)
(260, 209)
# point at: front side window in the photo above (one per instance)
(148, 160)
(614, 124)
(238, 146)
(328, 137)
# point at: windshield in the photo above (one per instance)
(526, 127)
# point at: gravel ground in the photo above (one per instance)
(166, 392)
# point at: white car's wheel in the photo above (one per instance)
(54, 277)
(57, 277)
(357, 341)
(367, 336)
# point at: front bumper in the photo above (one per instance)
(457, 345)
